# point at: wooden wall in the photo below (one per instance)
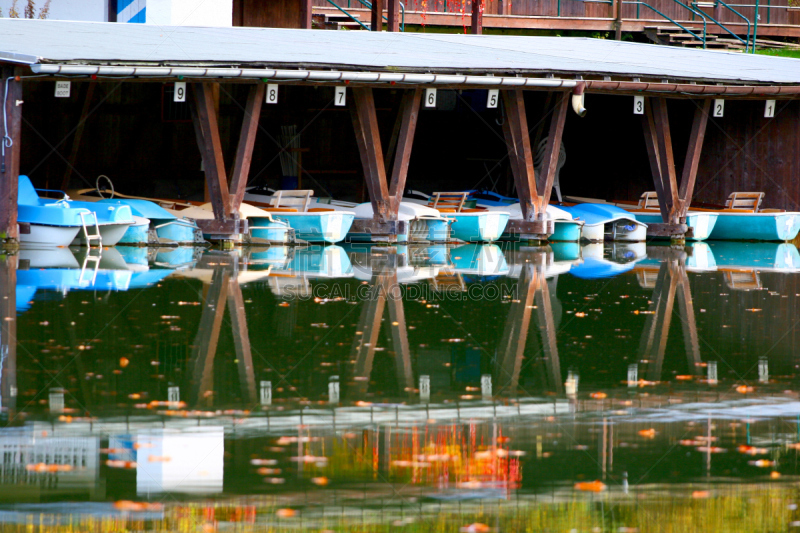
(270, 13)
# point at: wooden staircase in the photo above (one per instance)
(674, 36)
(340, 21)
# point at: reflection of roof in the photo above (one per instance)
(93, 43)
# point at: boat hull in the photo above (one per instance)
(702, 224)
(274, 231)
(779, 227)
(48, 236)
(486, 226)
(137, 233)
(328, 226)
(111, 234)
(174, 231)
(620, 230)
(566, 231)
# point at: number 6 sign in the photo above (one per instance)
(430, 97)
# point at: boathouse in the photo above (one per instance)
(162, 110)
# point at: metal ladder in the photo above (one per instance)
(90, 259)
(96, 236)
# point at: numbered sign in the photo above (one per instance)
(266, 393)
(180, 92)
(272, 93)
(62, 89)
(769, 109)
(719, 108)
(340, 97)
(430, 97)
(424, 388)
(493, 98)
(638, 105)
(173, 394)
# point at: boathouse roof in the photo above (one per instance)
(37, 42)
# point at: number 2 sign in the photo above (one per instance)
(719, 107)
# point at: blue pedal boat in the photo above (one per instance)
(168, 228)
(48, 223)
(310, 224)
(423, 224)
(607, 222)
(112, 221)
(744, 220)
(469, 224)
(700, 223)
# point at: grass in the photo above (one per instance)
(778, 52)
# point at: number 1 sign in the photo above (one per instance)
(769, 109)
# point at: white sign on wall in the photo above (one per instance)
(63, 88)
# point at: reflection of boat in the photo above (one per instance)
(648, 212)
(601, 261)
(320, 262)
(479, 260)
(413, 263)
(764, 256)
(312, 224)
(51, 223)
(607, 222)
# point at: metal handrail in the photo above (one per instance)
(368, 4)
(747, 20)
(334, 4)
(678, 24)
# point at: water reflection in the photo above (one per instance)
(190, 372)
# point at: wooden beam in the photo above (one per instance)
(409, 113)
(211, 148)
(365, 124)
(306, 11)
(654, 337)
(666, 229)
(379, 229)
(693, 152)
(241, 340)
(547, 331)
(223, 228)
(668, 178)
(76, 139)
(651, 142)
(515, 334)
(9, 165)
(363, 350)
(552, 150)
(376, 22)
(247, 139)
(393, 15)
(691, 341)
(476, 28)
(399, 334)
(514, 105)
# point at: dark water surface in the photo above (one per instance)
(355, 388)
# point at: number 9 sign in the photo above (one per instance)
(272, 93)
(180, 92)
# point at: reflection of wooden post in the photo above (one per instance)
(8, 334)
(9, 166)
(531, 290)
(672, 278)
(241, 341)
(383, 291)
(204, 347)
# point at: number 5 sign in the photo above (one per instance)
(494, 96)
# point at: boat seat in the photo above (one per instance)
(449, 202)
(649, 200)
(474, 210)
(280, 209)
(744, 201)
(26, 194)
(297, 200)
(320, 209)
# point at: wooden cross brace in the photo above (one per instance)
(673, 202)
(533, 191)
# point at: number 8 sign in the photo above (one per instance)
(430, 97)
(272, 93)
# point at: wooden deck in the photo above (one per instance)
(597, 15)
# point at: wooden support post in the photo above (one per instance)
(668, 178)
(393, 15)
(76, 139)
(211, 148)
(8, 334)
(241, 340)
(547, 331)
(204, 347)
(691, 341)
(651, 142)
(693, 152)
(547, 173)
(9, 164)
(365, 124)
(519, 150)
(477, 17)
(364, 345)
(377, 15)
(408, 115)
(247, 139)
(399, 334)
(656, 331)
(306, 11)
